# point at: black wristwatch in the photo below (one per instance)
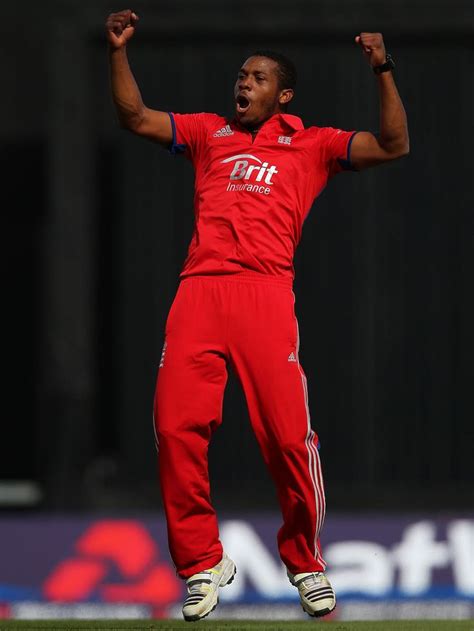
(388, 65)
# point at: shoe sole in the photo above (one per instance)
(318, 614)
(213, 605)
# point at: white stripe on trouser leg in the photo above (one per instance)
(157, 443)
(319, 475)
(316, 477)
(308, 443)
(314, 463)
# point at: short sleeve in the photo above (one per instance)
(188, 133)
(337, 149)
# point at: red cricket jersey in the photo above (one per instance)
(253, 195)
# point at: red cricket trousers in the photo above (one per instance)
(248, 324)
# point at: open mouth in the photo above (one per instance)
(242, 104)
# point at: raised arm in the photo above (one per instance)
(132, 113)
(392, 142)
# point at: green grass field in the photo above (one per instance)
(236, 625)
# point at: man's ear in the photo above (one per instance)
(285, 96)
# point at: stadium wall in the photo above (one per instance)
(98, 223)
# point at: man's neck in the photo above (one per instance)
(254, 129)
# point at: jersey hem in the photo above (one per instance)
(253, 277)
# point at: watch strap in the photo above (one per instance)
(386, 67)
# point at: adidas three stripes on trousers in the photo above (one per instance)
(248, 324)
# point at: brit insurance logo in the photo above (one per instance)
(250, 174)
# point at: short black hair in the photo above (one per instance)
(286, 68)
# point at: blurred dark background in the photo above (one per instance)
(97, 227)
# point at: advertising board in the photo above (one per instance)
(382, 567)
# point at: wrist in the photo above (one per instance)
(117, 50)
(387, 66)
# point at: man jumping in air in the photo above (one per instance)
(256, 177)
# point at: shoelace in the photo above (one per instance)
(199, 588)
(313, 580)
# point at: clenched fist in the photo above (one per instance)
(120, 27)
(373, 46)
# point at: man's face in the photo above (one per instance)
(257, 93)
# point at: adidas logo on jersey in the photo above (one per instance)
(291, 357)
(224, 131)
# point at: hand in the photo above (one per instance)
(373, 46)
(120, 27)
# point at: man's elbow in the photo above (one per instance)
(405, 150)
(131, 123)
(399, 151)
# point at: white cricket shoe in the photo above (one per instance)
(203, 589)
(316, 593)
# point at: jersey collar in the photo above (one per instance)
(278, 120)
(294, 122)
